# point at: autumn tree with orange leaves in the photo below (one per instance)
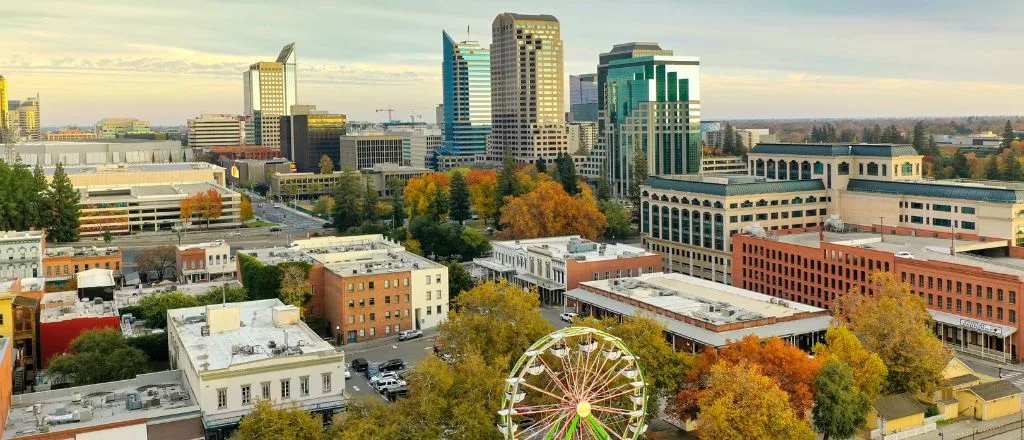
(208, 205)
(549, 211)
(787, 365)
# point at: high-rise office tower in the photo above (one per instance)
(4, 118)
(23, 119)
(652, 107)
(466, 83)
(216, 131)
(527, 88)
(309, 134)
(583, 98)
(270, 92)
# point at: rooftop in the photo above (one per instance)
(108, 194)
(533, 17)
(996, 389)
(921, 248)
(255, 337)
(897, 406)
(161, 395)
(65, 306)
(68, 251)
(277, 255)
(24, 285)
(95, 278)
(837, 149)
(133, 168)
(989, 191)
(731, 185)
(20, 235)
(573, 247)
(380, 263)
(207, 245)
(392, 168)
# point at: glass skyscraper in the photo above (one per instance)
(583, 97)
(652, 107)
(466, 77)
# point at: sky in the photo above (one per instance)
(169, 61)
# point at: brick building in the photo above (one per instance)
(205, 262)
(62, 318)
(971, 292)
(62, 263)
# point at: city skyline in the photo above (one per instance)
(356, 58)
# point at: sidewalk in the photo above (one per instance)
(966, 427)
(360, 347)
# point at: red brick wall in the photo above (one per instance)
(337, 297)
(55, 337)
(579, 271)
(185, 257)
(316, 279)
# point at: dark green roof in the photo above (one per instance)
(734, 188)
(939, 189)
(880, 150)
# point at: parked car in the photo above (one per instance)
(392, 365)
(234, 234)
(275, 229)
(395, 393)
(390, 384)
(904, 254)
(327, 225)
(348, 373)
(276, 205)
(568, 317)
(371, 371)
(383, 376)
(409, 334)
(359, 364)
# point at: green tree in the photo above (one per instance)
(604, 190)
(224, 294)
(508, 183)
(919, 142)
(1008, 136)
(729, 143)
(62, 200)
(107, 237)
(323, 205)
(961, 168)
(876, 133)
(496, 319)
(97, 356)
(265, 422)
(992, 171)
(1012, 170)
(842, 346)
(154, 307)
(541, 164)
(295, 287)
(370, 211)
(618, 218)
(459, 196)
(459, 280)
(347, 201)
(639, 176)
(397, 204)
(326, 165)
(840, 409)
(39, 208)
(567, 174)
(439, 204)
(933, 148)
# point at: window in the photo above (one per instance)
(387, 284)
(222, 398)
(265, 390)
(304, 385)
(917, 219)
(1013, 315)
(373, 316)
(405, 281)
(387, 299)
(967, 210)
(428, 295)
(438, 278)
(429, 310)
(351, 303)
(438, 310)
(362, 303)
(916, 205)
(747, 218)
(325, 382)
(370, 285)
(943, 208)
(286, 388)
(351, 287)
(967, 225)
(372, 300)
(373, 331)
(246, 394)
(428, 279)
(351, 319)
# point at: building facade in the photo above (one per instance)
(21, 254)
(653, 108)
(527, 88)
(110, 128)
(126, 151)
(419, 145)
(309, 134)
(583, 98)
(200, 262)
(19, 305)
(256, 171)
(466, 84)
(71, 134)
(365, 151)
(386, 177)
(5, 120)
(255, 152)
(216, 130)
(723, 165)
(270, 89)
(84, 176)
(274, 357)
(63, 263)
(63, 317)
(123, 209)
(24, 117)
(582, 137)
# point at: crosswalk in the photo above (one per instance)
(1014, 376)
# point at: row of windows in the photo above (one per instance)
(971, 289)
(55, 270)
(944, 222)
(285, 390)
(937, 207)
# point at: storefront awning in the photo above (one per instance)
(976, 325)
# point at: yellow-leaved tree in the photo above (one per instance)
(740, 403)
(842, 346)
(421, 193)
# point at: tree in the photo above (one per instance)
(396, 190)
(604, 191)
(483, 193)
(323, 205)
(842, 346)
(245, 212)
(459, 280)
(153, 308)
(265, 422)
(39, 207)
(639, 176)
(326, 165)
(459, 198)
(211, 205)
(156, 258)
(933, 148)
(447, 241)
(422, 194)
(347, 199)
(896, 324)
(496, 319)
(97, 356)
(507, 184)
(919, 141)
(64, 211)
(549, 211)
(371, 212)
(224, 294)
(840, 410)
(742, 404)
(1008, 136)
(992, 171)
(567, 174)
(618, 218)
(663, 367)
(729, 143)
(1012, 170)
(961, 168)
(295, 287)
(876, 134)
(542, 165)
(786, 364)
(107, 237)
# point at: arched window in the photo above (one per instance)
(811, 199)
(747, 204)
(907, 169)
(675, 225)
(819, 168)
(872, 169)
(794, 170)
(686, 226)
(805, 170)
(770, 171)
(719, 233)
(645, 193)
(707, 203)
(695, 202)
(762, 202)
(860, 169)
(675, 199)
(885, 170)
(645, 221)
(759, 168)
(844, 168)
(718, 205)
(706, 229)
(664, 198)
(664, 223)
(655, 221)
(797, 200)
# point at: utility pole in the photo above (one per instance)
(388, 109)
(881, 228)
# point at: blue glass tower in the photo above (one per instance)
(466, 77)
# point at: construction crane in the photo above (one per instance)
(388, 109)
(413, 117)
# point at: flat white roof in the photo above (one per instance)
(570, 247)
(95, 278)
(257, 339)
(206, 245)
(65, 306)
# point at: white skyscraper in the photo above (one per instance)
(270, 92)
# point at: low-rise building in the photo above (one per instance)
(366, 150)
(19, 317)
(105, 151)
(63, 317)
(122, 209)
(21, 254)
(6, 380)
(553, 265)
(234, 354)
(211, 261)
(71, 134)
(109, 128)
(152, 406)
(698, 313)
(256, 171)
(241, 152)
(304, 185)
(63, 263)
(103, 175)
(383, 176)
(216, 130)
(723, 165)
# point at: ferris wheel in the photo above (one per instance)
(575, 383)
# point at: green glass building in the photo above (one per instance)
(651, 107)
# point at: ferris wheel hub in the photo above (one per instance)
(583, 409)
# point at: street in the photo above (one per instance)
(290, 219)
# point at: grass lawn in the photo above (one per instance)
(259, 223)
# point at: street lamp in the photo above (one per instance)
(337, 335)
